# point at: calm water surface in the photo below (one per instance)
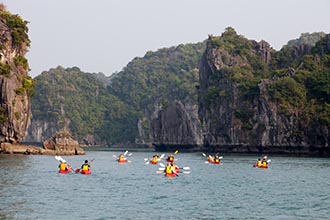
(292, 188)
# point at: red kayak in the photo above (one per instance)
(65, 171)
(262, 167)
(122, 161)
(171, 174)
(86, 172)
(154, 162)
(213, 161)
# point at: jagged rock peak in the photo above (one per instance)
(15, 84)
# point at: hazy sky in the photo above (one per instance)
(104, 35)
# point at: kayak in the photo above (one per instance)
(86, 172)
(153, 162)
(122, 161)
(213, 161)
(65, 171)
(171, 175)
(262, 167)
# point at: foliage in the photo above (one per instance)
(170, 73)
(21, 61)
(28, 85)
(18, 28)
(69, 94)
(4, 69)
(288, 92)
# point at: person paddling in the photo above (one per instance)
(264, 162)
(122, 158)
(170, 168)
(259, 163)
(170, 158)
(217, 158)
(85, 166)
(154, 159)
(210, 159)
(63, 166)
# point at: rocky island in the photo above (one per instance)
(17, 87)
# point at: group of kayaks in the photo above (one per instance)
(65, 168)
(169, 170)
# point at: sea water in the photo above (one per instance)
(292, 188)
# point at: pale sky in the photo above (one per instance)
(105, 35)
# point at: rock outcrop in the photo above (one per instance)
(63, 143)
(15, 84)
(177, 126)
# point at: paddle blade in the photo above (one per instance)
(161, 164)
(176, 152)
(204, 155)
(125, 153)
(77, 170)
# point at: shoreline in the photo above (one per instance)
(7, 148)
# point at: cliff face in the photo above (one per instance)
(241, 106)
(177, 126)
(16, 86)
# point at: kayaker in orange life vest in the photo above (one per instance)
(264, 162)
(210, 159)
(154, 159)
(170, 168)
(85, 166)
(259, 163)
(121, 158)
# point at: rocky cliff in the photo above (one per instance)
(15, 84)
(246, 106)
(177, 126)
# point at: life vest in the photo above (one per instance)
(259, 163)
(264, 164)
(63, 166)
(217, 160)
(154, 160)
(121, 159)
(168, 169)
(210, 159)
(85, 166)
